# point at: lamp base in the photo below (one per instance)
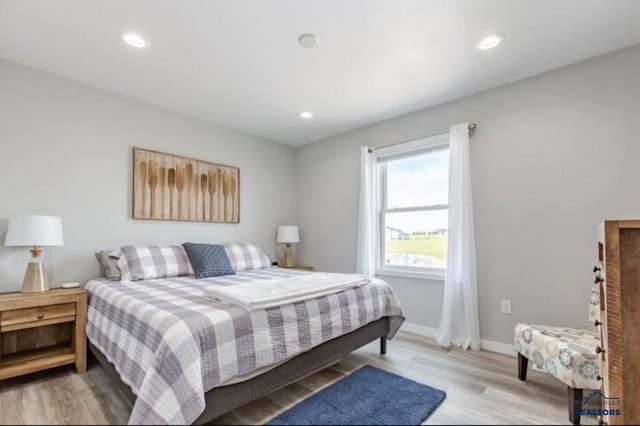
(35, 280)
(288, 256)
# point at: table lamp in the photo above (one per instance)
(35, 231)
(288, 235)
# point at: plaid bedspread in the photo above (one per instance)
(171, 344)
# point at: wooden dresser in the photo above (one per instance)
(42, 330)
(619, 255)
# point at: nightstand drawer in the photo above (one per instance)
(18, 319)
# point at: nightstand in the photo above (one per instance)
(302, 268)
(42, 330)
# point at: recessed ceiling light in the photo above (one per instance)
(133, 39)
(306, 114)
(490, 41)
(308, 40)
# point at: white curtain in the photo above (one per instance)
(366, 254)
(459, 324)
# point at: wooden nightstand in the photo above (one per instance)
(303, 268)
(42, 330)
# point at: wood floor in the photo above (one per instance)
(482, 388)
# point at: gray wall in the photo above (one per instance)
(552, 157)
(65, 149)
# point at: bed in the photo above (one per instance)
(185, 358)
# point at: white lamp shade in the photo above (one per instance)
(34, 230)
(288, 234)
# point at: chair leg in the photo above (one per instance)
(574, 398)
(522, 367)
(383, 345)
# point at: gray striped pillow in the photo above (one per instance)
(151, 262)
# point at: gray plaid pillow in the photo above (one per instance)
(151, 262)
(246, 256)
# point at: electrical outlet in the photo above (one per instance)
(505, 306)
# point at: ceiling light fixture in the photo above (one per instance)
(306, 114)
(490, 41)
(133, 39)
(308, 41)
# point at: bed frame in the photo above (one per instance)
(223, 399)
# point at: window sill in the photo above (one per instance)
(431, 276)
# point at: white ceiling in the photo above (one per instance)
(238, 63)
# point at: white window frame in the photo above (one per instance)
(416, 147)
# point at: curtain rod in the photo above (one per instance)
(472, 128)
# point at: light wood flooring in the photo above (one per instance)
(482, 388)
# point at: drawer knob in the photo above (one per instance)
(596, 323)
(40, 316)
(599, 350)
(596, 269)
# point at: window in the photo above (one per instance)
(414, 198)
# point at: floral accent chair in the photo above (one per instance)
(570, 355)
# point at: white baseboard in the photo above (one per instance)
(418, 329)
(499, 347)
(487, 345)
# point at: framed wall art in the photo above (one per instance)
(172, 187)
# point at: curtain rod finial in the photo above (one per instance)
(472, 127)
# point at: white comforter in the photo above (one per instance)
(280, 291)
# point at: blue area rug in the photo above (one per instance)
(369, 396)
